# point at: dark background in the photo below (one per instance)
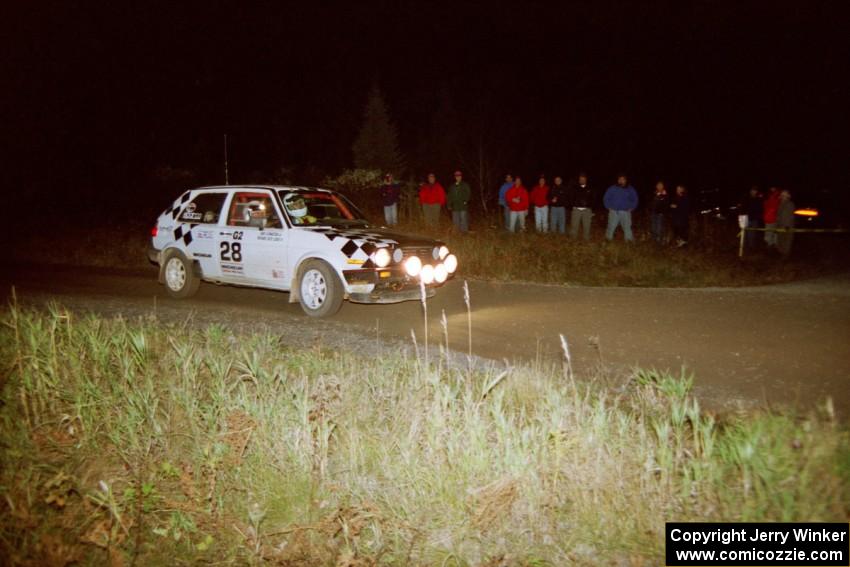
(128, 102)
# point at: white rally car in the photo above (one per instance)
(313, 243)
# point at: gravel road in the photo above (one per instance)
(782, 344)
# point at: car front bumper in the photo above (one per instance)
(386, 295)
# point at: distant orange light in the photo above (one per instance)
(807, 212)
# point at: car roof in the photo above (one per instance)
(272, 187)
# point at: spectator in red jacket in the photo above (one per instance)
(771, 211)
(517, 199)
(540, 200)
(432, 196)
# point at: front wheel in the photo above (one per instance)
(180, 281)
(319, 289)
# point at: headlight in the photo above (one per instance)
(444, 251)
(381, 257)
(451, 263)
(427, 274)
(398, 254)
(413, 266)
(441, 274)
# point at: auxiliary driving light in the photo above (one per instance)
(413, 266)
(443, 252)
(451, 263)
(382, 257)
(427, 274)
(441, 274)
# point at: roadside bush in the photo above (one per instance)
(356, 182)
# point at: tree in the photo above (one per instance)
(376, 146)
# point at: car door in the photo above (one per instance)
(198, 226)
(252, 244)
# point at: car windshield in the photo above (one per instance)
(314, 208)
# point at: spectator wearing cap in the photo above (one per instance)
(458, 202)
(580, 197)
(540, 200)
(432, 196)
(517, 199)
(390, 191)
(620, 199)
(506, 186)
(558, 205)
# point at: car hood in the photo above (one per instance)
(375, 236)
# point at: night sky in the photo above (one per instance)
(726, 94)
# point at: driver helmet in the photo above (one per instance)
(296, 206)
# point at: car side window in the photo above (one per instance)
(204, 209)
(250, 209)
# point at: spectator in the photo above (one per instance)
(458, 202)
(620, 200)
(754, 210)
(432, 196)
(390, 191)
(770, 210)
(785, 220)
(558, 205)
(540, 200)
(580, 198)
(680, 209)
(509, 182)
(658, 210)
(517, 199)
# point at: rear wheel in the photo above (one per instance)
(180, 279)
(319, 289)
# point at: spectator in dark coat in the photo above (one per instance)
(558, 205)
(390, 191)
(580, 200)
(785, 219)
(658, 211)
(680, 209)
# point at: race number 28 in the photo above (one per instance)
(231, 251)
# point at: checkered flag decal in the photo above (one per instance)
(177, 206)
(184, 232)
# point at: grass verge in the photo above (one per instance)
(145, 443)
(490, 253)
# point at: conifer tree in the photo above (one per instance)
(376, 146)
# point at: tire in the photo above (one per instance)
(179, 276)
(319, 289)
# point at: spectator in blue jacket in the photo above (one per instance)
(509, 182)
(620, 200)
